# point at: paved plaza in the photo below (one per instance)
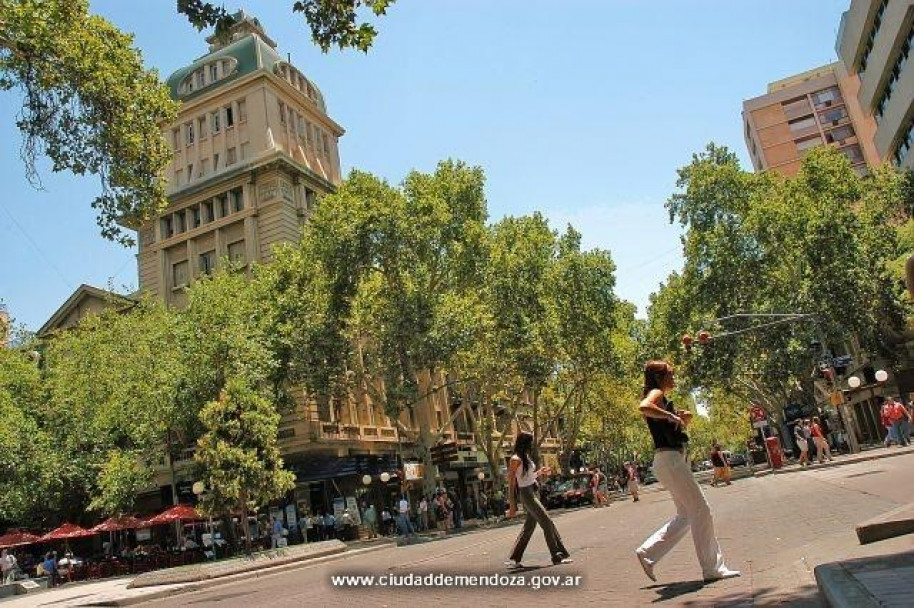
(775, 529)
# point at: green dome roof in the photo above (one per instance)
(250, 52)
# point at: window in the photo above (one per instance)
(282, 112)
(215, 162)
(242, 110)
(245, 150)
(195, 216)
(167, 227)
(905, 144)
(213, 72)
(871, 39)
(236, 199)
(310, 198)
(176, 138)
(236, 253)
(179, 177)
(222, 205)
(308, 131)
(198, 77)
(839, 134)
(326, 144)
(201, 127)
(204, 167)
(179, 275)
(895, 76)
(802, 124)
(805, 144)
(188, 133)
(190, 172)
(853, 154)
(229, 117)
(832, 116)
(215, 120)
(826, 98)
(230, 157)
(301, 126)
(207, 262)
(208, 211)
(179, 222)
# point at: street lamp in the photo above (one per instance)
(853, 382)
(480, 476)
(366, 480)
(385, 477)
(882, 376)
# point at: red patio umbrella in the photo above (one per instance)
(65, 532)
(17, 538)
(113, 524)
(175, 513)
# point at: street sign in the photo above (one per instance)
(759, 424)
(444, 453)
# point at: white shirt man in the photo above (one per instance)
(403, 522)
(7, 567)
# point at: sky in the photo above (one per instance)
(580, 109)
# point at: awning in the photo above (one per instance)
(320, 467)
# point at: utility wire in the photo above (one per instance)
(38, 249)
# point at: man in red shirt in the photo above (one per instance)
(819, 440)
(895, 415)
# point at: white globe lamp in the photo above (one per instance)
(882, 376)
(366, 479)
(385, 477)
(853, 382)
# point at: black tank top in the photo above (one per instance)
(664, 432)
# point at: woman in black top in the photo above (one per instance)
(671, 468)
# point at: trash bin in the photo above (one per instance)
(774, 452)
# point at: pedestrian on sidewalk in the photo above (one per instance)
(371, 520)
(423, 514)
(7, 567)
(898, 416)
(522, 485)
(631, 474)
(886, 415)
(800, 437)
(721, 466)
(666, 425)
(403, 523)
(822, 449)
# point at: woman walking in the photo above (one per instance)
(800, 437)
(672, 470)
(522, 475)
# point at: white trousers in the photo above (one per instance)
(692, 511)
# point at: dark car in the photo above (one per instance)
(580, 492)
(649, 478)
(554, 494)
(739, 460)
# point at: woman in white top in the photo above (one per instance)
(522, 474)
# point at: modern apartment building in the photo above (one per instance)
(798, 113)
(874, 44)
(253, 145)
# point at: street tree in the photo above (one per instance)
(239, 460)
(332, 22)
(89, 105)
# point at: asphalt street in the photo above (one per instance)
(775, 529)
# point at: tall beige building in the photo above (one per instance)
(253, 145)
(798, 113)
(874, 44)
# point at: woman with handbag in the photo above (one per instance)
(522, 476)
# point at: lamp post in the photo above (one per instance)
(199, 490)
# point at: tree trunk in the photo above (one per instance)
(245, 525)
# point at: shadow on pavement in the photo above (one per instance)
(674, 590)
(805, 597)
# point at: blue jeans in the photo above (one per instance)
(406, 527)
(898, 429)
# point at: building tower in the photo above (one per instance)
(800, 112)
(253, 146)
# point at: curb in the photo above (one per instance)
(841, 590)
(897, 522)
(182, 588)
(834, 463)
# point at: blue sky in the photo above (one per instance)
(582, 110)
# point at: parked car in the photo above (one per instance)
(555, 494)
(739, 460)
(579, 493)
(649, 478)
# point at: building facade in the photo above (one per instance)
(798, 113)
(874, 45)
(253, 146)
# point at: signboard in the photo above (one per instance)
(354, 510)
(413, 470)
(759, 424)
(339, 505)
(757, 414)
